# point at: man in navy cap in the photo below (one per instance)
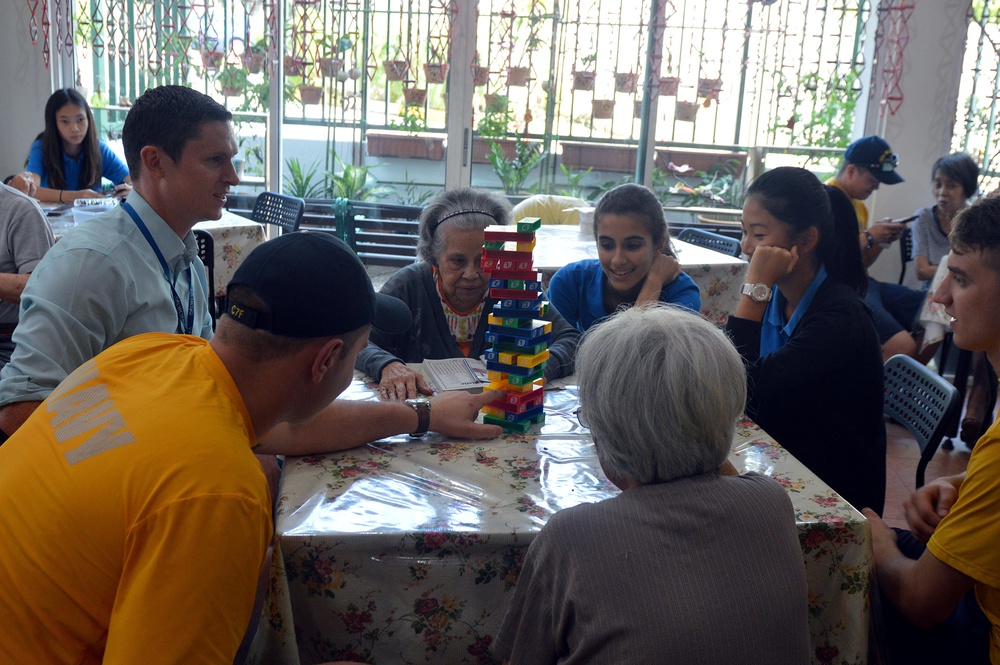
(868, 163)
(136, 517)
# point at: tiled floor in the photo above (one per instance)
(901, 472)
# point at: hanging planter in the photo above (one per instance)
(584, 80)
(518, 76)
(254, 62)
(685, 111)
(396, 70)
(232, 90)
(603, 109)
(310, 94)
(415, 96)
(211, 60)
(436, 72)
(480, 75)
(330, 66)
(669, 86)
(293, 66)
(709, 88)
(626, 82)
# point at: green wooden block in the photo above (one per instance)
(529, 224)
(493, 244)
(515, 284)
(525, 380)
(522, 426)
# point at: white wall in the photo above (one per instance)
(921, 130)
(26, 85)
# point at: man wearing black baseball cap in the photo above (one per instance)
(134, 508)
(868, 163)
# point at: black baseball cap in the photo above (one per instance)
(315, 286)
(873, 153)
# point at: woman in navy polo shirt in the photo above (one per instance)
(67, 161)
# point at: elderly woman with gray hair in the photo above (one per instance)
(447, 292)
(689, 564)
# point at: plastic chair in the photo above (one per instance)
(709, 240)
(206, 252)
(282, 211)
(549, 208)
(922, 402)
(905, 251)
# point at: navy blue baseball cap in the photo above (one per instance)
(314, 286)
(873, 153)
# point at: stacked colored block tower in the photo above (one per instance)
(520, 341)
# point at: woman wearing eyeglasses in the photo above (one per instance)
(447, 292)
(689, 564)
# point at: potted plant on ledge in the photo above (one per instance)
(407, 141)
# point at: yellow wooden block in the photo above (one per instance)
(548, 328)
(526, 246)
(494, 375)
(495, 320)
(493, 411)
(508, 358)
(531, 361)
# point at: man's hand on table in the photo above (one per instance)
(928, 505)
(453, 413)
(399, 382)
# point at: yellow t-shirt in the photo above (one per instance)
(859, 206)
(135, 516)
(968, 538)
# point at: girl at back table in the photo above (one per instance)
(813, 359)
(635, 262)
(67, 161)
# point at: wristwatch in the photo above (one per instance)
(422, 406)
(759, 292)
(869, 239)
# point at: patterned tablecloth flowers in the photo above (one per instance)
(234, 237)
(407, 552)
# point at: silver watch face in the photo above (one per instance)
(761, 292)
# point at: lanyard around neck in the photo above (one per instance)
(186, 323)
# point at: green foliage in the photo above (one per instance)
(411, 121)
(497, 118)
(513, 172)
(576, 187)
(302, 182)
(352, 183)
(831, 118)
(412, 195)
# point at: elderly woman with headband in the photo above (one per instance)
(691, 563)
(447, 292)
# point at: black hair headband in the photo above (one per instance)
(466, 212)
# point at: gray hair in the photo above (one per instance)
(472, 209)
(662, 389)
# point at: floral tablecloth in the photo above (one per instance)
(718, 276)
(234, 237)
(407, 552)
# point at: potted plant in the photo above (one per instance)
(294, 66)
(396, 68)
(211, 60)
(352, 183)
(685, 111)
(709, 89)
(494, 127)
(669, 86)
(309, 92)
(626, 82)
(232, 80)
(415, 96)
(603, 109)
(436, 72)
(330, 67)
(585, 76)
(254, 55)
(407, 141)
(301, 181)
(518, 76)
(513, 171)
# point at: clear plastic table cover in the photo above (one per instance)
(407, 550)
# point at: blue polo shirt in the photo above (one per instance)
(576, 293)
(112, 167)
(774, 331)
